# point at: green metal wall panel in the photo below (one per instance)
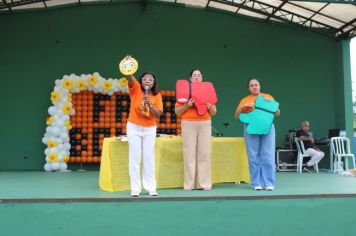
(301, 69)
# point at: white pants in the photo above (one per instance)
(141, 141)
(316, 156)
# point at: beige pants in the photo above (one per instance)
(197, 154)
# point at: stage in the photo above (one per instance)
(42, 203)
(29, 186)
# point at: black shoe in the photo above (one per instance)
(309, 169)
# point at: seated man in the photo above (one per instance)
(309, 146)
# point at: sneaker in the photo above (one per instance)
(135, 194)
(153, 193)
(269, 188)
(309, 169)
(257, 188)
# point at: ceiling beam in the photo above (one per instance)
(19, 3)
(329, 1)
(277, 9)
(4, 5)
(349, 33)
(322, 14)
(315, 13)
(284, 13)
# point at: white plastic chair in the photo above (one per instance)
(340, 148)
(301, 155)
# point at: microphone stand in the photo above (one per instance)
(217, 132)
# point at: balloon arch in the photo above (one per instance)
(59, 124)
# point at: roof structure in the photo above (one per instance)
(336, 18)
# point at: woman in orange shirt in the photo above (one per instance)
(196, 137)
(260, 148)
(146, 106)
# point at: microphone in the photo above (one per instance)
(146, 88)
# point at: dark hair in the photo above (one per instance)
(154, 88)
(253, 78)
(192, 71)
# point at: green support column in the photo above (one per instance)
(346, 69)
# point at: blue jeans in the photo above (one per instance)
(261, 158)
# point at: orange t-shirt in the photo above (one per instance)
(192, 114)
(251, 99)
(139, 114)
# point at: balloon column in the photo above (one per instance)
(85, 110)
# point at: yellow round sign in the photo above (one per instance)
(128, 66)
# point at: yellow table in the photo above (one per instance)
(229, 163)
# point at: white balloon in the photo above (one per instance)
(52, 150)
(67, 146)
(63, 166)
(66, 139)
(55, 166)
(63, 99)
(60, 157)
(47, 167)
(49, 130)
(66, 117)
(60, 147)
(52, 110)
(56, 130)
(75, 90)
(56, 140)
(63, 136)
(59, 122)
(44, 140)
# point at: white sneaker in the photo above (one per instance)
(153, 193)
(135, 194)
(269, 188)
(257, 188)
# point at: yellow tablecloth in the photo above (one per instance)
(229, 163)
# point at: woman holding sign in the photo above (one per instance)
(196, 137)
(260, 145)
(146, 106)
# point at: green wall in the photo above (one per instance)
(301, 69)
